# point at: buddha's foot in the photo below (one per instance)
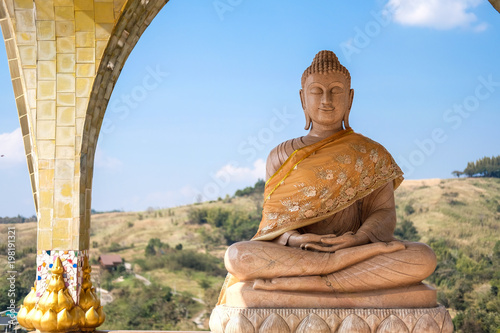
(384, 247)
(303, 283)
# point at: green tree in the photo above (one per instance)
(407, 231)
(149, 250)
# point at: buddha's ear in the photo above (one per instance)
(302, 100)
(348, 111)
(308, 118)
(351, 98)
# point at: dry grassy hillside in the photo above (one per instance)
(465, 210)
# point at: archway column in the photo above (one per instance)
(64, 58)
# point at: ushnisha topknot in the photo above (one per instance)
(325, 62)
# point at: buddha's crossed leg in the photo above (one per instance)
(361, 268)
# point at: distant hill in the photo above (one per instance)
(464, 210)
(459, 218)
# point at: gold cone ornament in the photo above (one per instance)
(27, 310)
(89, 302)
(55, 311)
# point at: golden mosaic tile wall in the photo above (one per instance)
(65, 57)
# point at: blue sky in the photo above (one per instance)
(212, 87)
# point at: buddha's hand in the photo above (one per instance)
(305, 240)
(347, 240)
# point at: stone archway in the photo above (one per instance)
(65, 57)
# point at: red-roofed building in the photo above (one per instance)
(110, 261)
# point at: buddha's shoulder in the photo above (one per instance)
(356, 138)
(286, 148)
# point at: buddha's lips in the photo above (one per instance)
(327, 109)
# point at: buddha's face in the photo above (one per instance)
(327, 99)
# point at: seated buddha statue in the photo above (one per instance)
(329, 213)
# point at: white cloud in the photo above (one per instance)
(102, 160)
(226, 180)
(11, 149)
(243, 174)
(438, 14)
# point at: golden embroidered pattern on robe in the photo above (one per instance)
(322, 179)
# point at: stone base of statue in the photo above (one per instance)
(412, 309)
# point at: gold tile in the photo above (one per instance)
(46, 90)
(65, 28)
(64, 188)
(99, 48)
(85, 55)
(81, 106)
(66, 116)
(103, 30)
(83, 86)
(76, 241)
(27, 55)
(66, 99)
(63, 2)
(61, 244)
(46, 198)
(46, 110)
(64, 13)
(104, 12)
(66, 62)
(44, 240)
(85, 70)
(46, 129)
(23, 4)
(65, 44)
(65, 136)
(30, 78)
(60, 226)
(46, 30)
(79, 125)
(85, 39)
(65, 152)
(46, 70)
(46, 50)
(84, 20)
(45, 220)
(25, 20)
(46, 150)
(46, 178)
(45, 164)
(84, 4)
(32, 97)
(65, 83)
(64, 169)
(26, 38)
(44, 9)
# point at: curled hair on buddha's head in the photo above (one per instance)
(325, 62)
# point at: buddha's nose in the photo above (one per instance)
(327, 99)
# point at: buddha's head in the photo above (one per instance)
(326, 93)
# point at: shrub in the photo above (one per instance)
(407, 231)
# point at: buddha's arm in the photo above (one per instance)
(379, 215)
(379, 220)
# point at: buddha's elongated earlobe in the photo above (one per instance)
(346, 120)
(348, 111)
(303, 102)
(308, 121)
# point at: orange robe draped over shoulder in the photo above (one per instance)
(320, 180)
